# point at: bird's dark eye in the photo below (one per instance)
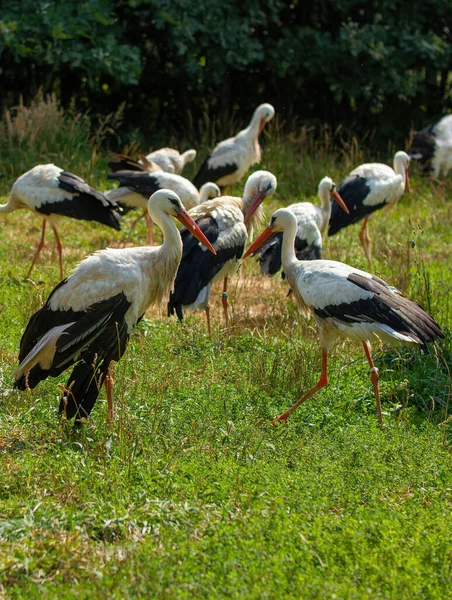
(272, 221)
(174, 202)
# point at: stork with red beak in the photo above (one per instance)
(347, 303)
(368, 188)
(88, 318)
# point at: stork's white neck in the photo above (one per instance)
(172, 242)
(8, 207)
(288, 256)
(325, 202)
(399, 168)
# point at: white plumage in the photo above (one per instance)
(170, 160)
(312, 221)
(89, 316)
(432, 146)
(230, 159)
(368, 188)
(228, 223)
(52, 193)
(347, 303)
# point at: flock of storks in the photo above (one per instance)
(88, 317)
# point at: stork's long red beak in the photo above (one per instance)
(339, 200)
(254, 205)
(191, 225)
(407, 182)
(264, 236)
(262, 124)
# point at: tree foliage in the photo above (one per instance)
(377, 65)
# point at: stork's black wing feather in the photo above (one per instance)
(207, 173)
(385, 307)
(87, 204)
(353, 191)
(90, 330)
(143, 183)
(123, 162)
(424, 143)
(198, 268)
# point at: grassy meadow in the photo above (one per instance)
(190, 492)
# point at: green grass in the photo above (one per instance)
(190, 493)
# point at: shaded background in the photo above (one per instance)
(375, 69)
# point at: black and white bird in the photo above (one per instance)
(52, 193)
(165, 159)
(88, 318)
(170, 160)
(136, 187)
(368, 188)
(347, 303)
(228, 223)
(312, 221)
(432, 146)
(230, 159)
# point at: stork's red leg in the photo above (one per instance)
(365, 241)
(108, 383)
(60, 250)
(322, 382)
(374, 380)
(39, 248)
(209, 329)
(150, 225)
(134, 223)
(224, 300)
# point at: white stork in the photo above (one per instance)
(169, 159)
(347, 303)
(228, 223)
(88, 318)
(312, 221)
(135, 187)
(432, 146)
(368, 188)
(51, 192)
(165, 159)
(231, 158)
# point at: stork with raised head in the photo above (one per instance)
(432, 146)
(136, 187)
(228, 223)
(312, 221)
(51, 193)
(368, 188)
(347, 303)
(88, 318)
(230, 159)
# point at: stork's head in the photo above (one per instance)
(327, 189)
(262, 115)
(209, 190)
(189, 156)
(401, 165)
(281, 220)
(259, 185)
(168, 202)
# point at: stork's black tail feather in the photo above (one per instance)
(83, 387)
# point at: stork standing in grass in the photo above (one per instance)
(165, 159)
(228, 223)
(368, 188)
(231, 158)
(312, 221)
(136, 187)
(51, 192)
(88, 318)
(347, 303)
